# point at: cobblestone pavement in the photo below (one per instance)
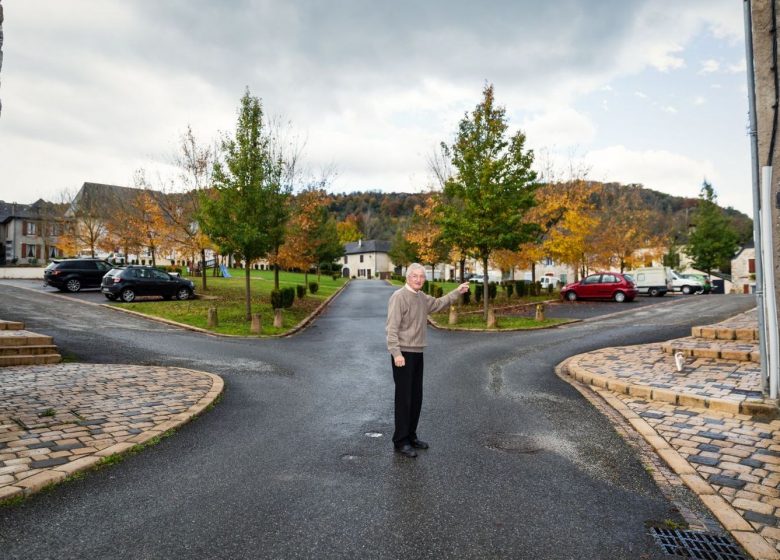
(56, 420)
(707, 422)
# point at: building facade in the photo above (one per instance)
(367, 259)
(29, 232)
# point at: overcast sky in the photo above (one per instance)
(635, 91)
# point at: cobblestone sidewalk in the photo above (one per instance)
(708, 422)
(56, 420)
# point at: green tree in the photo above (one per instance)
(246, 210)
(492, 187)
(402, 251)
(713, 241)
(330, 248)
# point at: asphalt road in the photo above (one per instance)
(520, 465)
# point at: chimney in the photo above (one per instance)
(360, 242)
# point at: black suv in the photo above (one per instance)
(129, 282)
(74, 274)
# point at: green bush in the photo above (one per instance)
(313, 287)
(478, 293)
(509, 287)
(300, 291)
(520, 288)
(467, 298)
(438, 291)
(425, 287)
(492, 290)
(283, 298)
(335, 276)
(549, 289)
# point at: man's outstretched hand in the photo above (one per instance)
(463, 288)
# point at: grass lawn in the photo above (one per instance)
(508, 316)
(228, 295)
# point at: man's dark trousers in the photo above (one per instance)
(408, 397)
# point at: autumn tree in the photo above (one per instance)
(329, 248)
(625, 227)
(146, 218)
(181, 205)
(489, 194)
(246, 210)
(348, 229)
(713, 242)
(308, 215)
(425, 234)
(87, 216)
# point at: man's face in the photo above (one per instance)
(416, 279)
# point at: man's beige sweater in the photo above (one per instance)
(407, 315)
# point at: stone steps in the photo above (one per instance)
(29, 360)
(715, 332)
(734, 350)
(19, 347)
(28, 349)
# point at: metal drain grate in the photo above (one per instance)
(695, 544)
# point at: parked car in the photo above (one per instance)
(127, 283)
(603, 285)
(546, 281)
(74, 274)
(686, 285)
(653, 280)
(702, 278)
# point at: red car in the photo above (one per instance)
(603, 285)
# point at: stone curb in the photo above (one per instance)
(748, 407)
(436, 325)
(753, 543)
(58, 474)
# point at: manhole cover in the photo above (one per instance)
(374, 434)
(695, 544)
(512, 443)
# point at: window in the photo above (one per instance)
(345, 259)
(592, 279)
(751, 266)
(29, 228)
(159, 275)
(608, 278)
(361, 258)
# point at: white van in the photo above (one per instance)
(652, 280)
(549, 281)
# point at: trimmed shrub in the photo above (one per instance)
(300, 291)
(438, 291)
(509, 287)
(283, 298)
(520, 288)
(478, 293)
(425, 287)
(467, 298)
(335, 276)
(492, 290)
(313, 287)
(549, 289)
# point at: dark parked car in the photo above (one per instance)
(74, 274)
(129, 282)
(604, 285)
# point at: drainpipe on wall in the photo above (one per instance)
(773, 365)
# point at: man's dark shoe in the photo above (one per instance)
(406, 450)
(419, 444)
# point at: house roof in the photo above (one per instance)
(367, 246)
(748, 245)
(39, 209)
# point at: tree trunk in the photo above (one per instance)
(485, 291)
(276, 277)
(248, 295)
(462, 269)
(203, 268)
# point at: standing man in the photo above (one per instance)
(407, 316)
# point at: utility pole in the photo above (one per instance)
(765, 125)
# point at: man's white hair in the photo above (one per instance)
(414, 267)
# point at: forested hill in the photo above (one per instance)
(380, 214)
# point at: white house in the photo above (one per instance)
(743, 270)
(367, 259)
